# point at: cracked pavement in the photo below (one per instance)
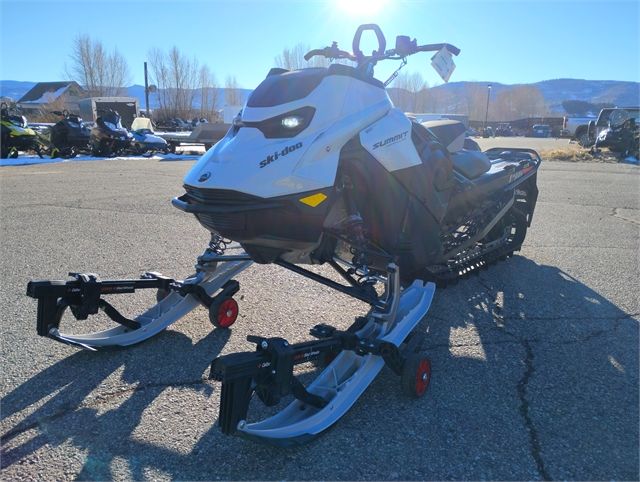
(535, 360)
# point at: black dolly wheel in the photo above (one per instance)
(416, 375)
(223, 312)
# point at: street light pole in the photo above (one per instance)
(486, 115)
(146, 90)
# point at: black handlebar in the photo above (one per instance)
(332, 52)
(382, 43)
(404, 47)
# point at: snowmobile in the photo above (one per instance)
(319, 167)
(16, 135)
(108, 137)
(69, 136)
(144, 141)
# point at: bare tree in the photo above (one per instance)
(475, 96)
(410, 93)
(208, 93)
(176, 77)
(293, 58)
(232, 95)
(520, 102)
(100, 72)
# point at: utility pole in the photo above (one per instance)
(486, 115)
(146, 90)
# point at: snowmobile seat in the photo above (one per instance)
(471, 164)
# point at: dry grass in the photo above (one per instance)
(580, 155)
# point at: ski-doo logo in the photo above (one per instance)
(273, 157)
(391, 140)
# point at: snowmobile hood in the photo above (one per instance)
(17, 131)
(288, 136)
(147, 137)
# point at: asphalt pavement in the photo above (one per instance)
(535, 361)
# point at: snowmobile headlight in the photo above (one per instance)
(292, 122)
(286, 125)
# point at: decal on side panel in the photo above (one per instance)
(273, 157)
(391, 140)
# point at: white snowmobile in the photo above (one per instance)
(319, 167)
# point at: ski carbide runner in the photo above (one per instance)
(343, 381)
(157, 318)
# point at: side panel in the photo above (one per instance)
(389, 141)
(394, 218)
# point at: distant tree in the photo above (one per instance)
(475, 101)
(232, 95)
(102, 73)
(583, 107)
(176, 77)
(519, 102)
(208, 93)
(411, 93)
(293, 58)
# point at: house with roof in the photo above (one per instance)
(65, 94)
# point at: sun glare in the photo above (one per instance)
(360, 7)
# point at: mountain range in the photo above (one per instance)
(619, 93)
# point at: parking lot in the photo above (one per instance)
(535, 361)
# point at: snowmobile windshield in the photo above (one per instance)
(112, 120)
(18, 120)
(286, 87)
(619, 117)
(281, 86)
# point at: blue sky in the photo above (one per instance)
(502, 41)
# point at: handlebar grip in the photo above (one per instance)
(435, 47)
(453, 49)
(382, 43)
(311, 53)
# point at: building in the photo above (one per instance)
(65, 94)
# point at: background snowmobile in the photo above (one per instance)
(144, 141)
(69, 136)
(108, 137)
(319, 167)
(622, 135)
(16, 135)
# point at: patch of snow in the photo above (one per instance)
(25, 160)
(48, 97)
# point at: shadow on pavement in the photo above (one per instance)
(147, 370)
(570, 354)
(574, 355)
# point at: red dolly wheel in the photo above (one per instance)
(416, 375)
(223, 313)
